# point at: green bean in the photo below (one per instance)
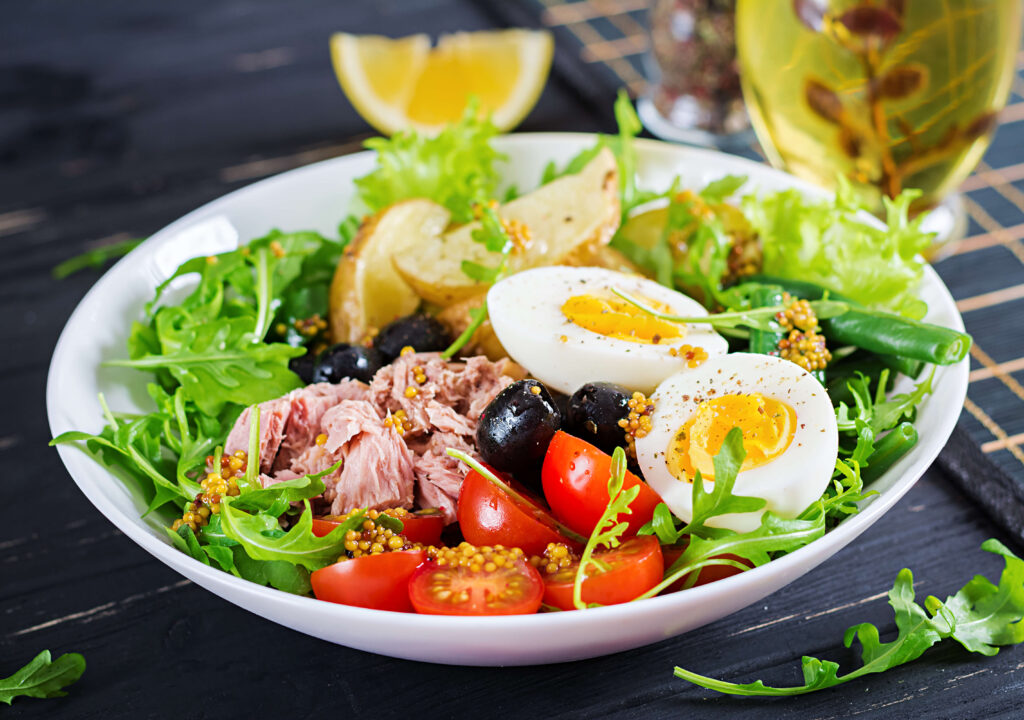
(766, 342)
(882, 332)
(889, 449)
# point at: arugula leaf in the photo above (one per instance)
(721, 501)
(832, 243)
(875, 411)
(762, 318)
(773, 535)
(277, 498)
(219, 362)
(981, 617)
(706, 545)
(607, 531)
(989, 615)
(663, 524)
(262, 538)
(281, 574)
(43, 678)
(95, 258)
(841, 497)
(455, 168)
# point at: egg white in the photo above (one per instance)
(526, 313)
(791, 481)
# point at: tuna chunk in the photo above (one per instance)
(381, 467)
(438, 476)
(273, 418)
(308, 406)
(463, 387)
(377, 465)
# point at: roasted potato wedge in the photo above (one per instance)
(367, 292)
(603, 256)
(565, 216)
(484, 342)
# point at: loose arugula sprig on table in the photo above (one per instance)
(95, 258)
(43, 677)
(981, 617)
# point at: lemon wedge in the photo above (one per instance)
(402, 83)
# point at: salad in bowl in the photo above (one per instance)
(478, 399)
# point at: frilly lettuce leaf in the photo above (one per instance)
(832, 244)
(455, 168)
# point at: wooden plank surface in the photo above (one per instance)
(116, 118)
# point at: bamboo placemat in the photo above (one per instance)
(985, 272)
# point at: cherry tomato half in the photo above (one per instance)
(575, 478)
(512, 589)
(421, 526)
(379, 581)
(490, 516)
(633, 568)
(706, 575)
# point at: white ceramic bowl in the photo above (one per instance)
(316, 197)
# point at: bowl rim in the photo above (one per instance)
(954, 381)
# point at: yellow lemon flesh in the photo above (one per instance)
(402, 83)
(767, 424)
(615, 318)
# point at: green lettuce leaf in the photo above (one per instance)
(455, 168)
(829, 242)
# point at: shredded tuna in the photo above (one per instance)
(381, 467)
(438, 476)
(308, 406)
(273, 418)
(464, 387)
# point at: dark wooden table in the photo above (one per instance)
(116, 118)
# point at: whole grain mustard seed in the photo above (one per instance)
(374, 538)
(474, 558)
(638, 422)
(557, 556)
(407, 350)
(217, 483)
(399, 421)
(804, 345)
(321, 439)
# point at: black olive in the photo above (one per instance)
(423, 333)
(304, 366)
(342, 361)
(594, 413)
(515, 429)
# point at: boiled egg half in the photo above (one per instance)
(789, 434)
(567, 328)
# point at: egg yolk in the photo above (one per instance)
(618, 319)
(767, 425)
